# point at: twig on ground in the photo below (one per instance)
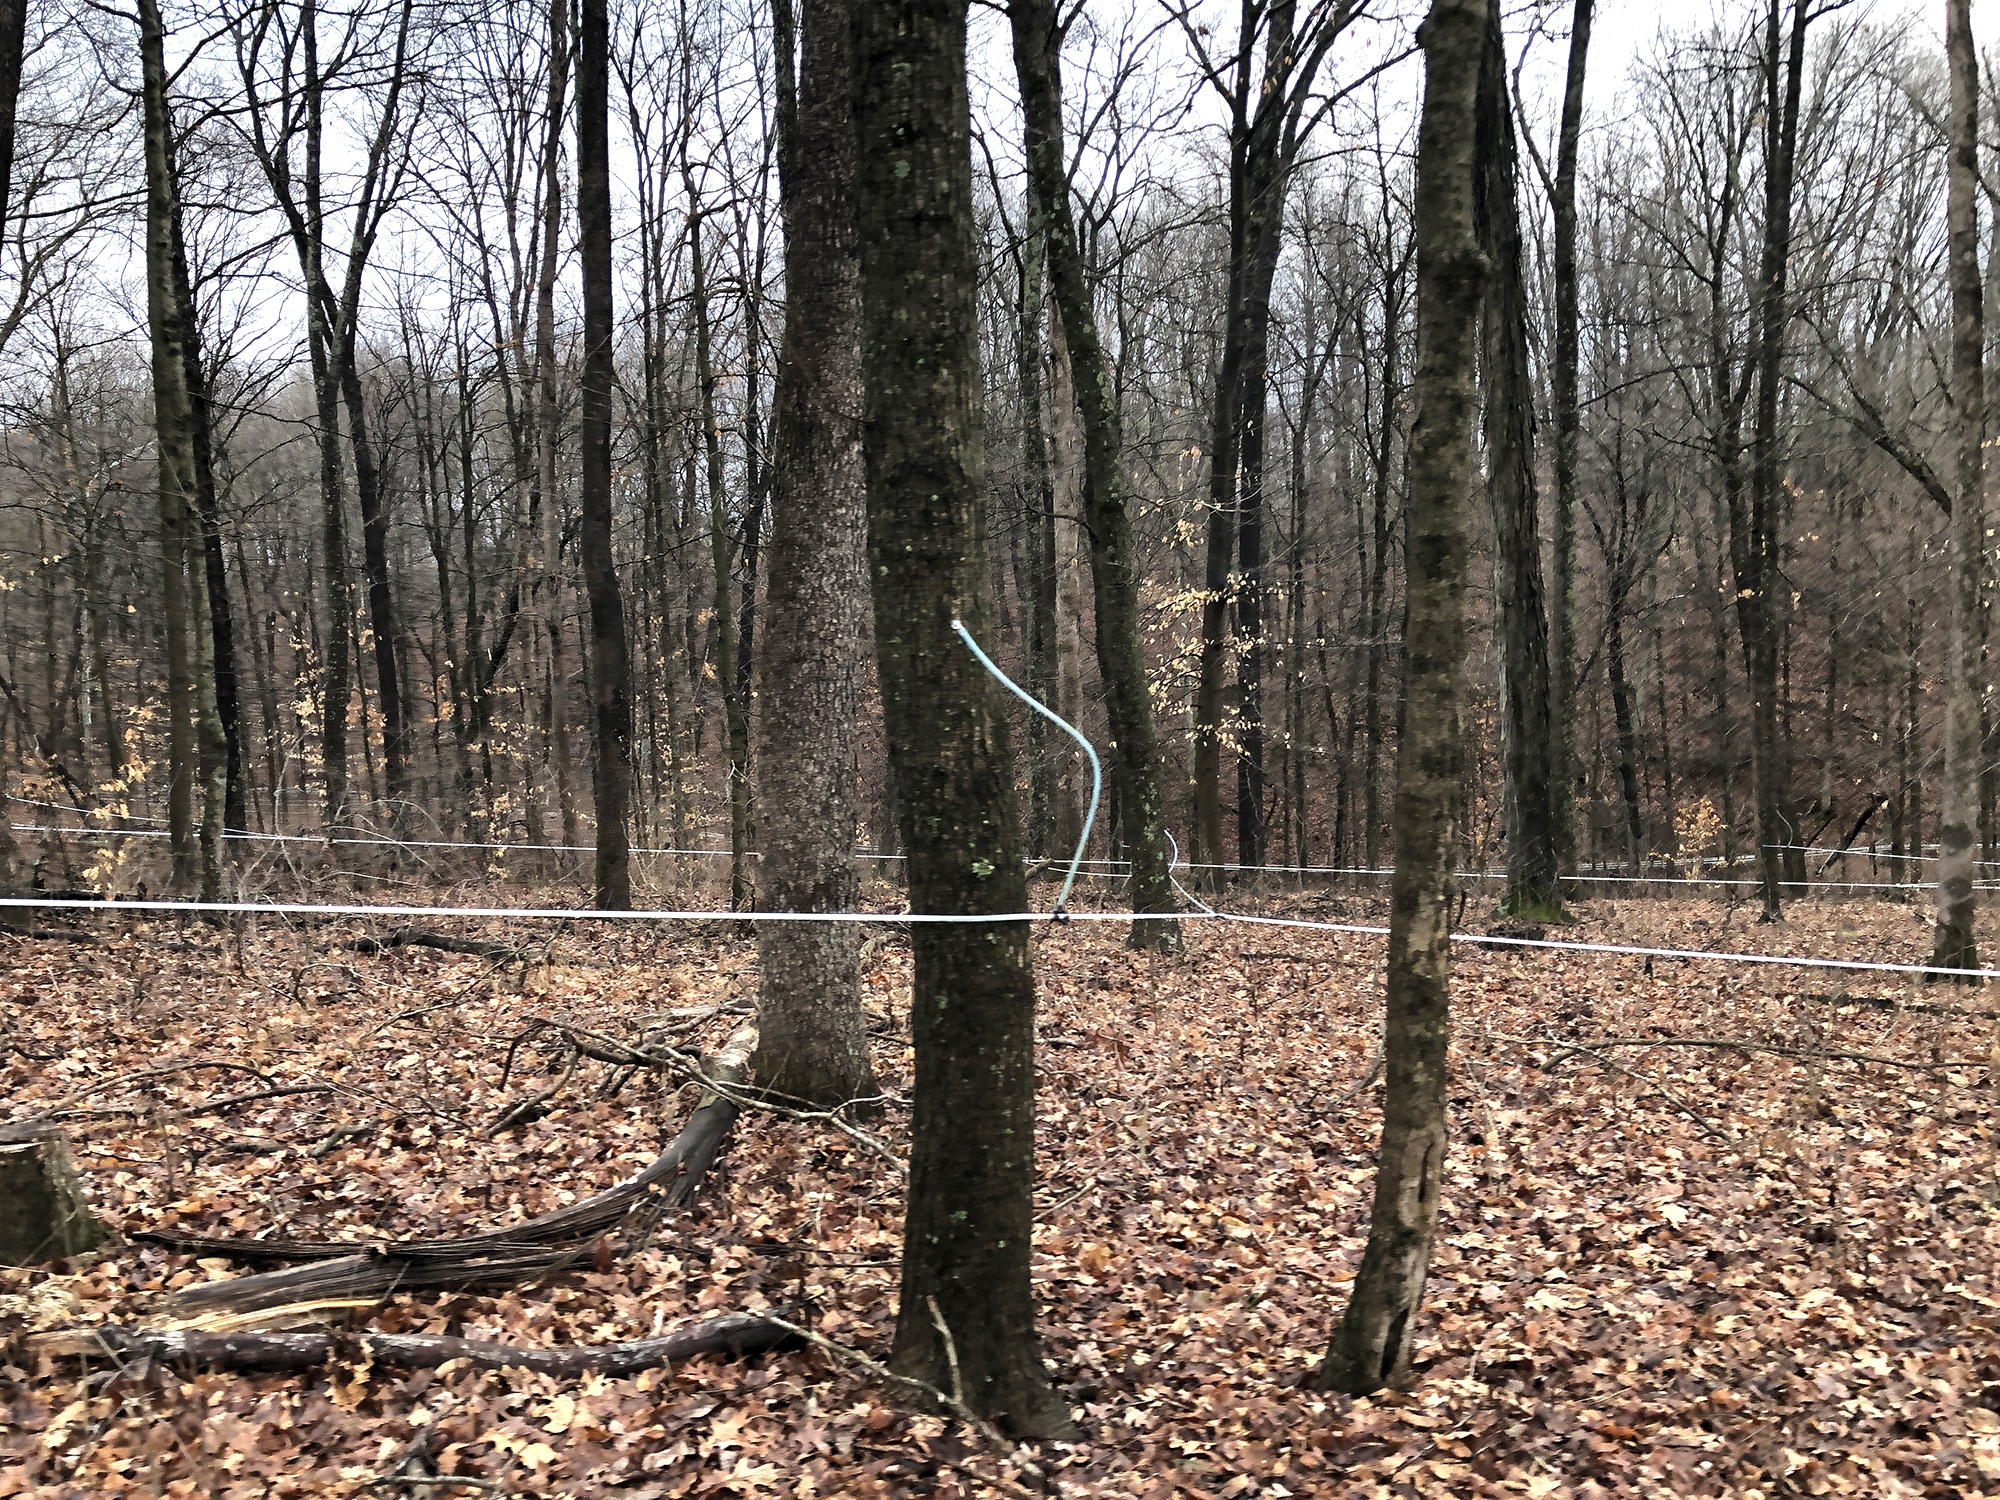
(186, 1067)
(535, 1105)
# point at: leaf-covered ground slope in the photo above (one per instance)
(1664, 1268)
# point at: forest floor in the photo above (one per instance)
(1662, 1269)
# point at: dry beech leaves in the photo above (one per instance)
(1661, 1270)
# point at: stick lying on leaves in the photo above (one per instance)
(732, 1334)
(496, 1256)
(418, 937)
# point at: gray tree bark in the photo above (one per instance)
(812, 1031)
(1372, 1347)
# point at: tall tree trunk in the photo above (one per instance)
(13, 47)
(1628, 742)
(1372, 1347)
(735, 719)
(1958, 814)
(1038, 590)
(611, 671)
(173, 422)
(812, 1034)
(375, 573)
(1563, 391)
(1066, 567)
(966, 1319)
(1533, 823)
(542, 500)
(211, 621)
(1114, 572)
(1754, 531)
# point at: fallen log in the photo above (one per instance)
(496, 1256)
(733, 1334)
(419, 937)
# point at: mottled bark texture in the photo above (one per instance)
(814, 1034)
(1958, 812)
(173, 421)
(610, 663)
(1533, 826)
(1121, 660)
(1563, 398)
(967, 1312)
(1372, 1347)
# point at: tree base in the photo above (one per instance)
(42, 1212)
(1534, 909)
(1955, 948)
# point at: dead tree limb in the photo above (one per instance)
(418, 937)
(497, 1256)
(733, 1335)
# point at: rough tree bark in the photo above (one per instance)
(1529, 785)
(173, 422)
(1121, 659)
(610, 666)
(1958, 812)
(967, 1311)
(813, 1033)
(1372, 1347)
(1563, 391)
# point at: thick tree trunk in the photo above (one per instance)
(1121, 660)
(1958, 812)
(13, 46)
(174, 422)
(1563, 390)
(1530, 787)
(967, 1314)
(813, 1033)
(1372, 1347)
(611, 671)
(211, 629)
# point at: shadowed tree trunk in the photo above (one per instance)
(13, 44)
(610, 667)
(811, 1029)
(1958, 810)
(1121, 660)
(173, 423)
(1533, 824)
(1754, 528)
(1372, 1347)
(1563, 392)
(967, 1313)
